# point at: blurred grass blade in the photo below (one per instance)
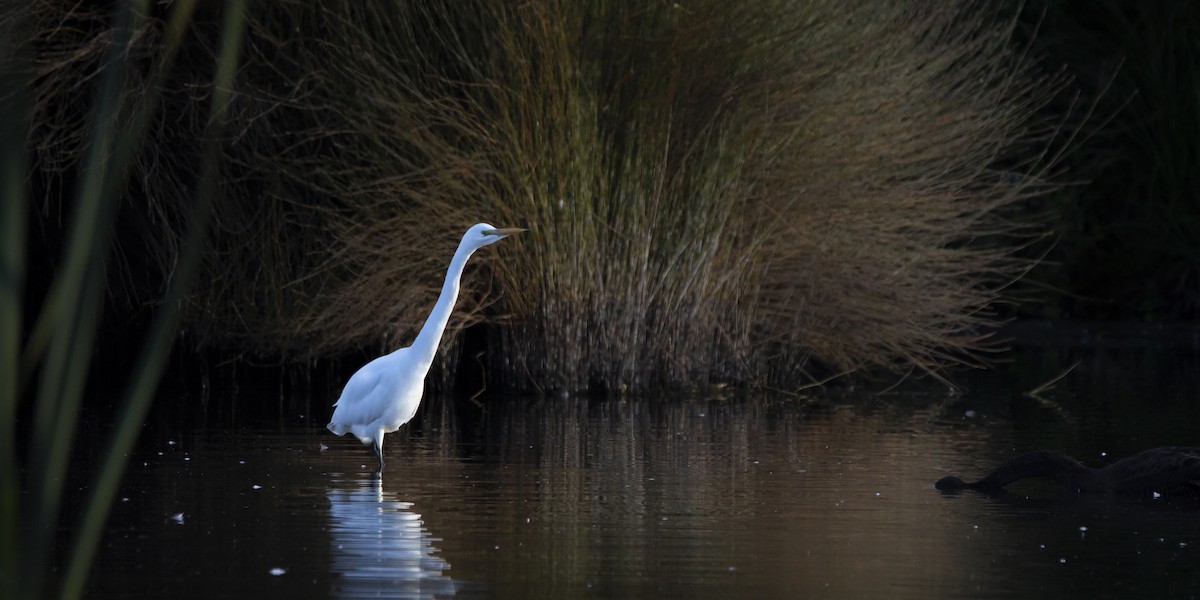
(62, 338)
(156, 348)
(71, 312)
(13, 104)
(127, 144)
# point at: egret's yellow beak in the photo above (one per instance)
(504, 232)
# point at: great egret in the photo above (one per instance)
(1165, 471)
(385, 393)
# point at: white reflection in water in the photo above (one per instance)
(380, 547)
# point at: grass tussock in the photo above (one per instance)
(718, 192)
(728, 194)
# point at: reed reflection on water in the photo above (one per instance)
(729, 498)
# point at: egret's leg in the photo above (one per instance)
(378, 447)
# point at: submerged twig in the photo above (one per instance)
(1049, 385)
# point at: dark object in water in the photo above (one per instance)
(1166, 471)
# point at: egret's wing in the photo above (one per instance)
(361, 385)
(360, 403)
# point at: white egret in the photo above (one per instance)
(385, 393)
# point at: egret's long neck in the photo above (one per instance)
(425, 346)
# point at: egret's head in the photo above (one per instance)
(483, 234)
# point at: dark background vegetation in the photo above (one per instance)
(319, 236)
(766, 194)
(1128, 228)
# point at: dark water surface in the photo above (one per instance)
(828, 496)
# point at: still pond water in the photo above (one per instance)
(749, 497)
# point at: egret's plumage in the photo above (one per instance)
(374, 403)
(385, 393)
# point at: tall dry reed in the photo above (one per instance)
(736, 194)
(759, 194)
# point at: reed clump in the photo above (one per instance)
(737, 194)
(759, 193)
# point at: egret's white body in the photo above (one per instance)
(385, 393)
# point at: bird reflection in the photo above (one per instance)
(380, 546)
